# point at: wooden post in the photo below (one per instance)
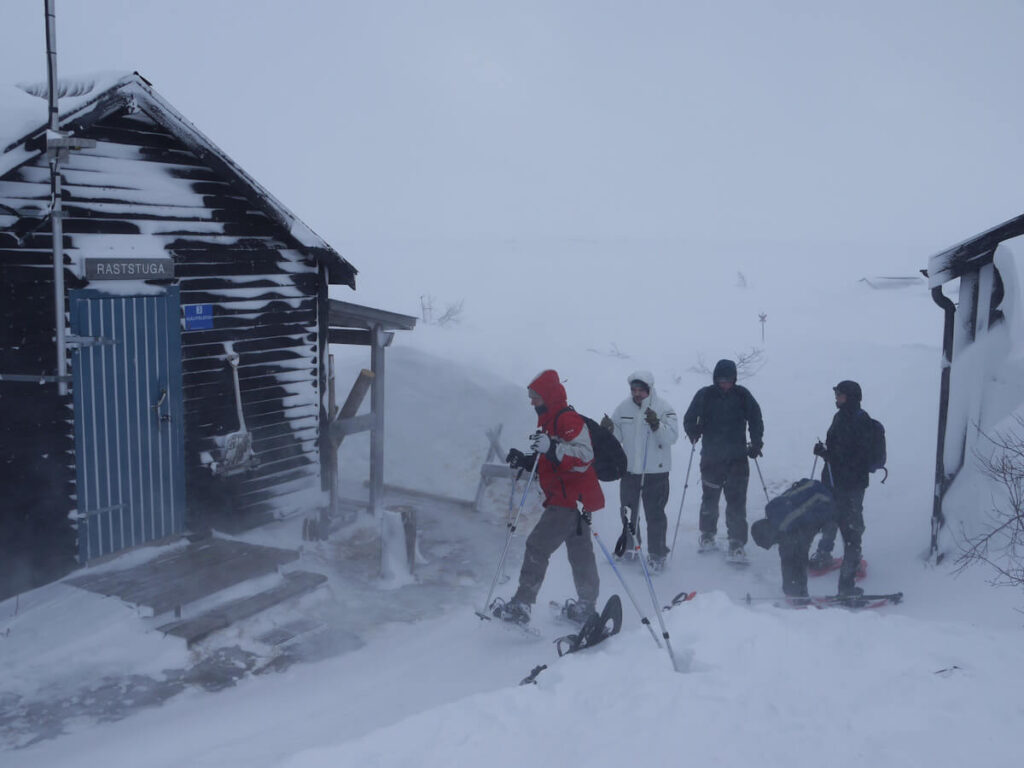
(377, 342)
(332, 476)
(317, 529)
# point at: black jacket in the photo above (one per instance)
(721, 418)
(848, 446)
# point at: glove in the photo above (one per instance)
(607, 423)
(754, 450)
(652, 420)
(519, 460)
(820, 450)
(693, 438)
(540, 442)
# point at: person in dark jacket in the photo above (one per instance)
(792, 520)
(721, 414)
(572, 492)
(847, 455)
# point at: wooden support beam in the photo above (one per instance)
(356, 337)
(344, 422)
(342, 427)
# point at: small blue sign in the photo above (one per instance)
(198, 317)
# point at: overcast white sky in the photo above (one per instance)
(895, 122)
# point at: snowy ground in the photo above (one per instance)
(934, 681)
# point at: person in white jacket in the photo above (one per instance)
(647, 427)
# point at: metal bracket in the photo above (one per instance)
(87, 341)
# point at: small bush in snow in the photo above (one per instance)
(1000, 545)
(747, 363)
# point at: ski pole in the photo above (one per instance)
(515, 476)
(508, 540)
(756, 464)
(611, 561)
(676, 664)
(814, 466)
(512, 494)
(679, 516)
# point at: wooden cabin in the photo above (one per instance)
(196, 310)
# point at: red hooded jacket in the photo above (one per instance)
(571, 478)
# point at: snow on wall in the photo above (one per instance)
(986, 398)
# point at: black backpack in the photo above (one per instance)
(876, 447)
(804, 498)
(609, 458)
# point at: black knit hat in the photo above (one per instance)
(764, 533)
(849, 388)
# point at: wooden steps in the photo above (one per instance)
(193, 630)
(186, 575)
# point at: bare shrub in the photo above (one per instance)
(452, 314)
(747, 363)
(1000, 545)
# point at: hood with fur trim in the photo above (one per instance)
(645, 376)
(547, 385)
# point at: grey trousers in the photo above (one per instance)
(558, 525)
(655, 497)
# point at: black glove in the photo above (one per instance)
(754, 450)
(607, 423)
(519, 460)
(652, 420)
(693, 438)
(820, 450)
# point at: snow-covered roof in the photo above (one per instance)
(86, 99)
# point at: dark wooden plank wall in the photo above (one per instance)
(140, 192)
(37, 477)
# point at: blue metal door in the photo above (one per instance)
(129, 426)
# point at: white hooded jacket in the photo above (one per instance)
(633, 432)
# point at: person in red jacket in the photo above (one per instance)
(572, 492)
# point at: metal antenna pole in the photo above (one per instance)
(56, 212)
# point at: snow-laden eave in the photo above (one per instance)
(972, 253)
(25, 121)
(78, 112)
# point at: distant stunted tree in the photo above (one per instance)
(1000, 545)
(747, 363)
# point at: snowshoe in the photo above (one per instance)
(596, 629)
(513, 611)
(707, 543)
(854, 602)
(655, 564)
(574, 611)
(737, 555)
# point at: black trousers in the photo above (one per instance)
(731, 477)
(850, 508)
(655, 497)
(794, 549)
